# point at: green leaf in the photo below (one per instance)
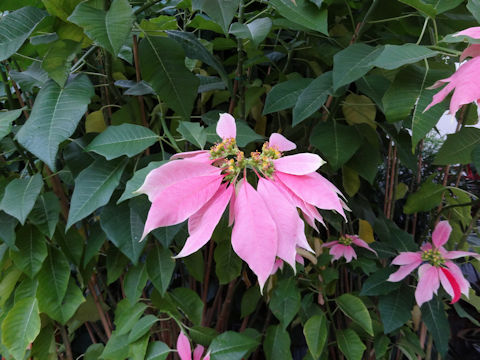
(94, 351)
(95, 240)
(256, 31)
(108, 28)
(116, 348)
(138, 349)
(245, 134)
(395, 308)
(366, 162)
(166, 72)
(277, 343)
(157, 350)
(381, 346)
(54, 117)
(458, 147)
(7, 283)
(350, 344)
(127, 315)
(250, 300)
(286, 301)
(135, 280)
(142, 327)
(377, 283)
(62, 310)
(350, 181)
(44, 345)
(58, 59)
(60, 8)
(190, 303)
(474, 7)
(284, 95)
(227, 264)
(435, 317)
(160, 266)
(20, 196)
(45, 213)
(220, 11)
(116, 263)
(426, 198)
(6, 119)
(93, 188)
(138, 179)
(124, 227)
(359, 109)
(425, 9)
(304, 13)
(394, 56)
(312, 98)
(231, 346)
(194, 49)
(20, 327)
(336, 142)
(16, 27)
(8, 224)
(32, 251)
(193, 133)
(352, 63)
(125, 139)
(392, 235)
(356, 310)
(316, 333)
(402, 94)
(34, 76)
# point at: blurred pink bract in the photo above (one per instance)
(343, 247)
(435, 267)
(185, 351)
(199, 185)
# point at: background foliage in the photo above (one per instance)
(98, 93)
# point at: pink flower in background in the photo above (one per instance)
(435, 267)
(185, 351)
(198, 186)
(463, 82)
(343, 247)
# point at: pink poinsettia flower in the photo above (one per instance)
(463, 82)
(343, 247)
(185, 351)
(434, 267)
(198, 186)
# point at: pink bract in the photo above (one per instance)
(343, 247)
(434, 267)
(185, 351)
(267, 227)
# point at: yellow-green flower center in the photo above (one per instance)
(434, 257)
(234, 160)
(345, 240)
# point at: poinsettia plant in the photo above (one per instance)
(226, 180)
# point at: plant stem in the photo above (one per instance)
(66, 342)
(168, 134)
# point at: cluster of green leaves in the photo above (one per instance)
(98, 93)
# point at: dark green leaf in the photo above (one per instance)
(16, 27)
(231, 346)
(7, 224)
(109, 28)
(125, 139)
(93, 188)
(138, 179)
(356, 310)
(190, 303)
(116, 348)
(312, 97)
(227, 264)
(54, 117)
(20, 196)
(435, 317)
(304, 13)
(250, 300)
(256, 31)
(426, 9)
(426, 198)
(21, 326)
(127, 315)
(45, 213)
(135, 280)
(377, 283)
(284, 95)
(474, 7)
(395, 308)
(160, 266)
(58, 59)
(166, 72)
(286, 301)
(142, 327)
(6, 119)
(193, 133)
(220, 11)
(350, 344)
(277, 343)
(124, 227)
(336, 142)
(34, 76)
(32, 251)
(316, 333)
(394, 56)
(458, 147)
(157, 350)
